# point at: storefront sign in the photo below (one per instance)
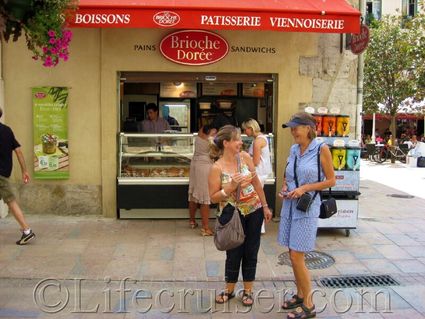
(335, 16)
(194, 47)
(50, 116)
(359, 42)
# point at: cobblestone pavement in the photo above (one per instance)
(86, 266)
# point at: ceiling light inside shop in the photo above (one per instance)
(177, 83)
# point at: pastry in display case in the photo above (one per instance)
(153, 174)
(154, 156)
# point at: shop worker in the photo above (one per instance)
(154, 123)
(174, 124)
(8, 144)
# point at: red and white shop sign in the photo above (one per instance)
(166, 18)
(194, 47)
(359, 42)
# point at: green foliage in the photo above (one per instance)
(395, 62)
(44, 23)
(388, 66)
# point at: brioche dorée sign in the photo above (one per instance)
(359, 42)
(194, 47)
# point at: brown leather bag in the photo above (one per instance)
(231, 234)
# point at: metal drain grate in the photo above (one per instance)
(359, 281)
(313, 260)
(400, 196)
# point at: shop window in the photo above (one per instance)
(409, 8)
(373, 10)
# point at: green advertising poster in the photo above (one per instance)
(50, 114)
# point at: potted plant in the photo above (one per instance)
(44, 25)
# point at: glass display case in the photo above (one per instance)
(155, 158)
(153, 174)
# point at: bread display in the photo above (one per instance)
(130, 171)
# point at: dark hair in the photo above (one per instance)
(152, 106)
(206, 129)
(226, 133)
(1, 112)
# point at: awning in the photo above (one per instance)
(324, 16)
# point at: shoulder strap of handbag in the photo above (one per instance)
(296, 176)
(318, 170)
(238, 190)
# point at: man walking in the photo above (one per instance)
(8, 144)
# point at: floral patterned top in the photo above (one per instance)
(249, 201)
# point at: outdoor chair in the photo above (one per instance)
(371, 150)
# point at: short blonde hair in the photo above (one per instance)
(252, 124)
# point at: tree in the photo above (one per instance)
(43, 23)
(417, 40)
(389, 65)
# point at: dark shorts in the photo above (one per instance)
(6, 193)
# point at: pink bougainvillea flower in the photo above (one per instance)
(51, 33)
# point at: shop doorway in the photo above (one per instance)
(196, 99)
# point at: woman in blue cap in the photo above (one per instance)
(298, 225)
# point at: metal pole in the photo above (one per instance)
(373, 130)
(360, 76)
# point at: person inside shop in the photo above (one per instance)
(260, 153)
(235, 168)
(174, 124)
(8, 145)
(198, 181)
(223, 119)
(154, 123)
(298, 228)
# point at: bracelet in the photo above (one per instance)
(223, 193)
(265, 205)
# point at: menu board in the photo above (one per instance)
(50, 116)
(178, 89)
(228, 89)
(253, 89)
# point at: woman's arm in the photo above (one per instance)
(259, 143)
(257, 186)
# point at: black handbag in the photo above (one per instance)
(229, 232)
(328, 206)
(421, 161)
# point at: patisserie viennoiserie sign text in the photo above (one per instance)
(194, 47)
(296, 20)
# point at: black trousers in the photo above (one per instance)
(247, 252)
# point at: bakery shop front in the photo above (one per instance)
(197, 62)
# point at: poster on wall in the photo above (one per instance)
(50, 116)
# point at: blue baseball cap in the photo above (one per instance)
(298, 120)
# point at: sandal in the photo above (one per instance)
(302, 312)
(247, 300)
(193, 224)
(206, 232)
(225, 297)
(293, 303)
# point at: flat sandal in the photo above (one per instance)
(298, 301)
(228, 295)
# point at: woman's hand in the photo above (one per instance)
(296, 193)
(283, 192)
(237, 179)
(267, 214)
